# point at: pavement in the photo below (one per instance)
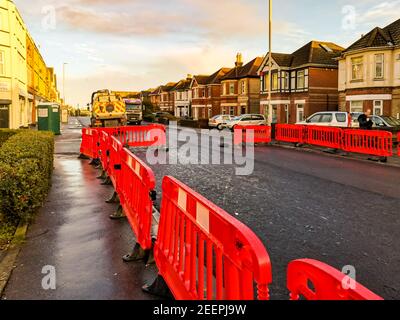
(300, 204)
(73, 233)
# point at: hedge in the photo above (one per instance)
(5, 134)
(26, 166)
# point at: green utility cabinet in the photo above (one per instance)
(49, 117)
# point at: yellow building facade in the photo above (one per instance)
(25, 80)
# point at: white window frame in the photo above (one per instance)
(360, 65)
(300, 108)
(298, 77)
(355, 104)
(243, 87)
(378, 104)
(231, 86)
(381, 55)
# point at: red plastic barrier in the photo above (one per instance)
(371, 142)
(142, 136)
(104, 149)
(114, 165)
(136, 182)
(398, 143)
(289, 133)
(87, 143)
(327, 282)
(252, 134)
(324, 136)
(202, 252)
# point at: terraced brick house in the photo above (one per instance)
(155, 98)
(167, 97)
(369, 73)
(199, 96)
(240, 88)
(183, 98)
(208, 103)
(302, 83)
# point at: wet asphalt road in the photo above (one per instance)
(301, 205)
(306, 205)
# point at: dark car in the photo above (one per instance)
(164, 117)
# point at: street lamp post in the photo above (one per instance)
(270, 63)
(64, 64)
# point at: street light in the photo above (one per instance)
(64, 64)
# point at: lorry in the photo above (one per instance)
(134, 111)
(108, 109)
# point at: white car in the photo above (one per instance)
(247, 120)
(219, 121)
(328, 119)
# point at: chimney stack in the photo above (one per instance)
(239, 60)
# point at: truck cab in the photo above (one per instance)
(134, 111)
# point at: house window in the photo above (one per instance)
(293, 80)
(300, 112)
(231, 88)
(262, 83)
(274, 82)
(285, 80)
(2, 62)
(243, 87)
(232, 111)
(300, 79)
(379, 66)
(378, 107)
(356, 106)
(357, 67)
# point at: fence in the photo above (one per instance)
(289, 133)
(252, 134)
(114, 165)
(379, 143)
(324, 136)
(315, 280)
(371, 142)
(204, 253)
(201, 251)
(142, 136)
(137, 183)
(89, 138)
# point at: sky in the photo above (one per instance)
(133, 45)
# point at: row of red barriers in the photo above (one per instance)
(371, 142)
(252, 134)
(201, 251)
(138, 136)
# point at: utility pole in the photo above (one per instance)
(64, 64)
(270, 63)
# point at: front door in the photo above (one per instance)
(4, 116)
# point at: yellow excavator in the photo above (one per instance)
(108, 109)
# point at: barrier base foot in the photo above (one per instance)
(106, 182)
(158, 288)
(94, 162)
(83, 157)
(113, 199)
(102, 176)
(119, 214)
(137, 254)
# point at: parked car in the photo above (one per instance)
(164, 117)
(380, 122)
(219, 121)
(328, 119)
(247, 120)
